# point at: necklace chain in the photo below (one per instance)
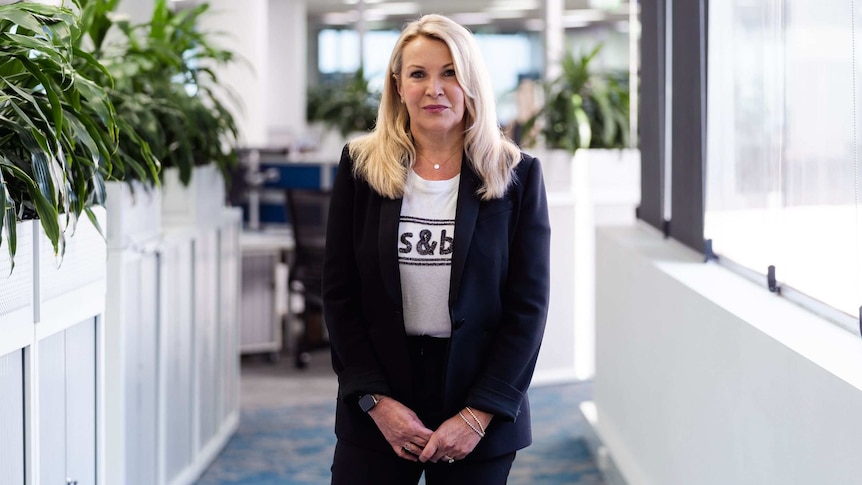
(444, 162)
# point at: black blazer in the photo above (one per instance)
(498, 301)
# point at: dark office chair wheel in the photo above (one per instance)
(302, 360)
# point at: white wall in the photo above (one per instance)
(245, 28)
(703, 377)
(139, 11)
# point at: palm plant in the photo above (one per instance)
(134, 158)
(347, 105)
(172, 62)
(584, 108)
(58, 128)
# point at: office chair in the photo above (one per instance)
(308, 210)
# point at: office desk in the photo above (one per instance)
(264, 292)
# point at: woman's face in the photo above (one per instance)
(429, 88)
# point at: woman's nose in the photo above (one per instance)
(435, 87)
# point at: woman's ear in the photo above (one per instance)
(397, 86)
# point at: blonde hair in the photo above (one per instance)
(383, 156)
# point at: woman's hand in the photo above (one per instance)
(401, 427)
(455, 438)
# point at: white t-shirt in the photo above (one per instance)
(425, 237)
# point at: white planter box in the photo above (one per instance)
(130, 333)
(72, 289)
(595, 187)
(557, 359)
(134, 214)
(199, 204)
(16, 291)
(557, 169)
(609, 181)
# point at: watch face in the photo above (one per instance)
(367, 402)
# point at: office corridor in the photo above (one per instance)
(285, 433)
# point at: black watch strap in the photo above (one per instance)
(367, 402)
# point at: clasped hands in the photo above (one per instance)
(411, 440)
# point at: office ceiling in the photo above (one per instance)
(495, 15)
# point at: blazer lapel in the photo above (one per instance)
(390, 215)
(465, 221)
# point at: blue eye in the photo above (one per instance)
(417, 74)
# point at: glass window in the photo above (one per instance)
(782, 182)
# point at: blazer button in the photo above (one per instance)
(458, 324)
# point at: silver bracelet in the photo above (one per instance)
(477, 419)
(474, 428)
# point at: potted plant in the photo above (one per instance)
(174, 63)
(580, 131)
(137, 126)
(583, 108)
(345, 106)
(58, 128)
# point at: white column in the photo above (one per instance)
(360, 29)
(243, 27)
(555, 37)
(287, 79)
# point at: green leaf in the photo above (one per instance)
(56, 108)
(95, 221)
(19, 16)
(48, 218)
(8, 220)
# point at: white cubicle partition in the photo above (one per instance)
(198, 323)
(12, 463)
(69, 307)
(594, 188)
(175, 358)
(50, 315)
(198, 347)
(131, 372)
(16, 334)
(16, 291)
(119, 362)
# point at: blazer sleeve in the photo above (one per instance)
(508, 370)
(353, 360)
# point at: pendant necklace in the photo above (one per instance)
(438, 165)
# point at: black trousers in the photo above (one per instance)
(354, 464)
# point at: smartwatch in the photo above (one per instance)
(367, 402)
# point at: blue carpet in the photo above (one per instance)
(293, 445)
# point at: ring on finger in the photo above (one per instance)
(448, 459)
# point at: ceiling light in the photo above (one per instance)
(508, 14)
(513, 5)
(396, 8)
(471, 18)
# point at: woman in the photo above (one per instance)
(436, 276)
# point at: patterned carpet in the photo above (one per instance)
(292, 445)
